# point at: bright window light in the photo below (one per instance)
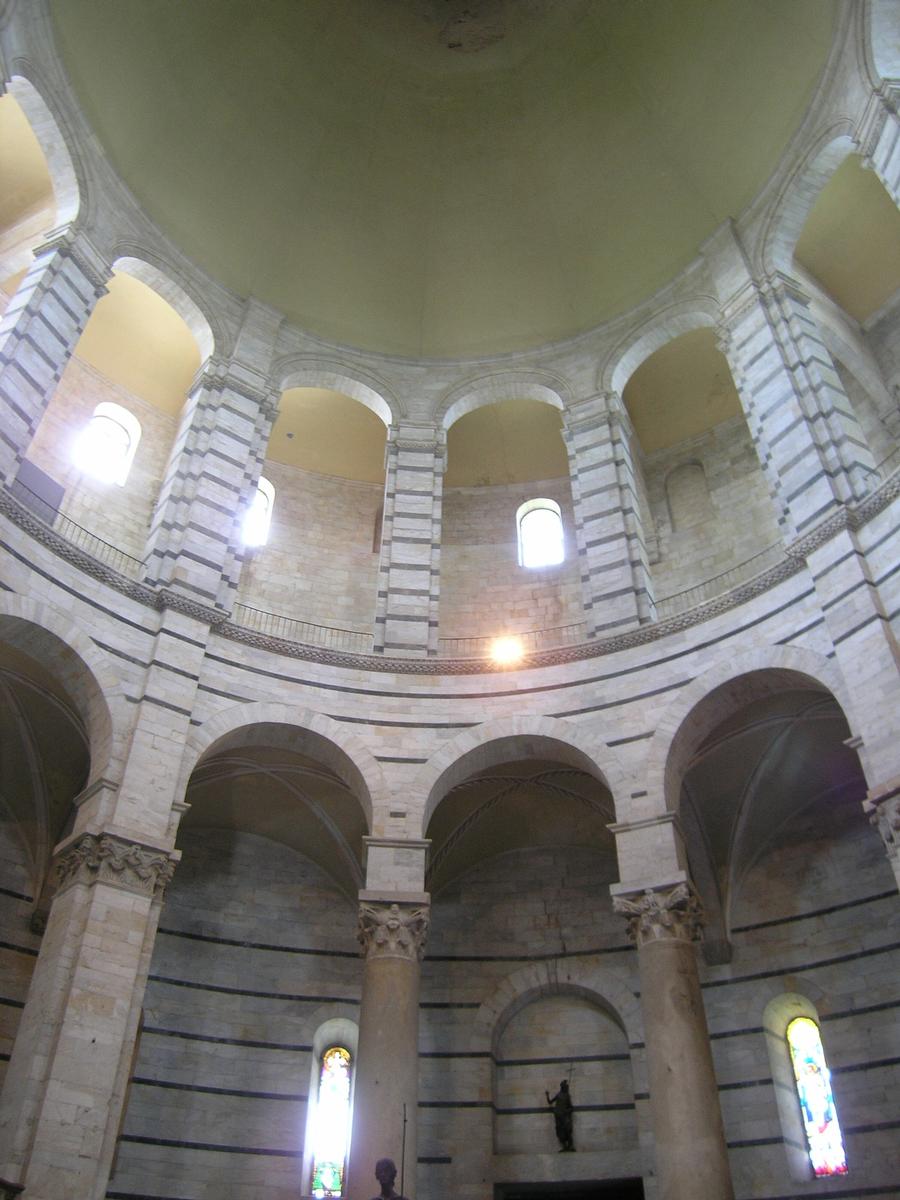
(813, 1080)
(331, 1124)
(541, 542)
(507, 650)
(255, 530)
(106, 447)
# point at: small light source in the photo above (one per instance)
(507, 650)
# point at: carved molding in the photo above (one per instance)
(673, 913)
(205, 613)
(72, 243)
(884, 814)
(393, 930)
(107, 858)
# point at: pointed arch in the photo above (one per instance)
(495, 741)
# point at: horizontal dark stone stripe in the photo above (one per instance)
(817, 912)
(434, 1159)
(215, 1147)
(217, 1091)
(635, 737)
(543, 957)
(745, 1083)
(793, 968)
(874, 1064)
(543, 1110)
(140, 1196)
(892, 1191)
(455, 1104)
(247, 945)
(863, 1010)
(292, 1047)
(8, 1002)
(164, 666)
(564, 1059)
(233, 991)
(19, 949)
(16, 895)
(858, 628)
(159, 703)
(456, 1054)
(385, 724)
(730, 1033)
(396, 758)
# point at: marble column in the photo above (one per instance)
(689, 1138)
(65, 1086)
(615, 575)
(38, 333)
(392, 931)
(409, 572)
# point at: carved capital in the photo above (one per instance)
(107, 858)
(672, 913)
(883, 810)
(393, 930)
(72, 243)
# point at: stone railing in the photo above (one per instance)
(354, 641)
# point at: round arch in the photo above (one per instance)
(882, 38)
(67, 652)
(601, 986)
(160, 278)
(488, 389)
(493, 742)
(671, 322)
(317, 736)
(60, 161)
(720, 691)
(337, 376)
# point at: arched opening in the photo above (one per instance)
(706, 508)
(27, 200)
(502, 457)
(326, 460)
(138, 354)
(256, 969)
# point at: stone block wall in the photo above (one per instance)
(18, 944)
(728, 516)
(484, 591)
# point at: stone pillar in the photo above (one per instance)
(691, 1153)
(194, 547)
(878, 137)
(409, 571)
(38, 333)
(883, 808)
(64, 1089)
(392, 931)
(612, 555)
(808, 439)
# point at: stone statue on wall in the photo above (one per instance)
(386, 1173)
(561, 1104)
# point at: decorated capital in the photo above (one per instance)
(391, 930)
(672, 913)
(108, 858)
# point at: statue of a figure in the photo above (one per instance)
(386, 1173)
(561, 1104)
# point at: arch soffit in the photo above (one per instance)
(339, 376)
(171, 286)
(62, 161)
(37, 629)
(798, 195)
(719, 691)
(485, 745)
(343, 752)
(489, 389)
(882, 38)
(604, 987)
(654, 333)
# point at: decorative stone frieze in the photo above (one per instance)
(166, 598)
(107, 858)
(393, 930)
(664, 913)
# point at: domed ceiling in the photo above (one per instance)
(444, 177)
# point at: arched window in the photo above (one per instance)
(106, 447)
(255, 530)
(330, 1127)
(539, 525)
(813, 1082)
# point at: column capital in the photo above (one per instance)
(672, 912)
(134, 866)
(603, 406)
(221, 373)
(393, 927)
(74, 243)
(882, 806)
(422, 438)
(883, 102)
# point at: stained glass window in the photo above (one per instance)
(823, 1133)
(331, 1124)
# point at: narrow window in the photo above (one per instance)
(258, 518)
(331, 1123)
(541, 542)
(106, 447)
(817, 1108)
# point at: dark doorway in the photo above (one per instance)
(599, 1189)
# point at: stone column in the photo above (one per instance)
(409, 571)
(38, 333)
(194, 547)
(809, 441)
(392, 930)
(878, 137)
(691, 1153)
(65, 1085)
(883, 808)
(612, 556)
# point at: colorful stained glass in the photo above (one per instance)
(823, 1132)
(331, 1124)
